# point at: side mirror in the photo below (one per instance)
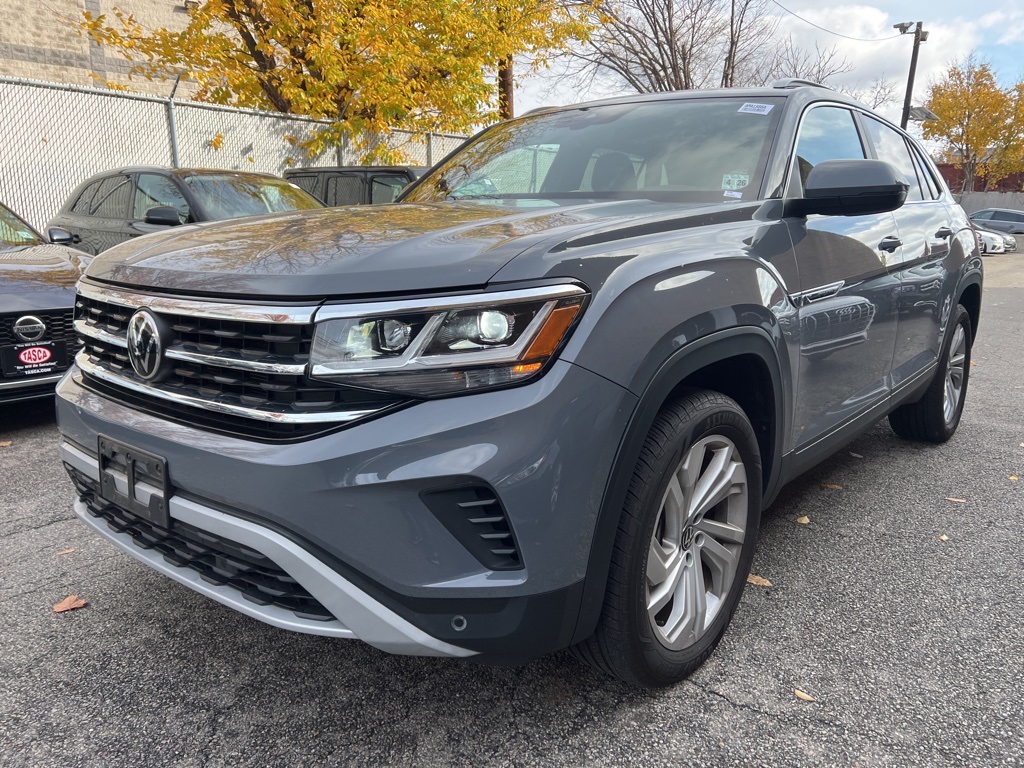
(162, 215)
(850, 188)
(60, 236)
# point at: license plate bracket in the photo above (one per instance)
(36, 358)
(134, 480)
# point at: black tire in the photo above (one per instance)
(927, 419)
(627, 642)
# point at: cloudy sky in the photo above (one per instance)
(994, 29)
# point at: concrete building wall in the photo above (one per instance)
(39, 41)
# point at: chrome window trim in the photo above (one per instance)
(250, 313)
(274, 417)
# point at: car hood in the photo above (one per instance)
(361, 251)
(39, 277)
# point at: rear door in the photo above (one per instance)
(925, 264)
(847, 293)
(104, 218)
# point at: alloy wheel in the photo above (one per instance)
(695, 549)
(955, 374)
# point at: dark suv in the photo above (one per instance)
(1001, 219)
(115, 206)
(354, 185)
(543, 400)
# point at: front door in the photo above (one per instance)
(848, 293)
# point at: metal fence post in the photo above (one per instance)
(172, 129)
(430, 148)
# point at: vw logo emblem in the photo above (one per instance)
(145, 344)
(29, 328)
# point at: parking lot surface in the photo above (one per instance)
(899, 607)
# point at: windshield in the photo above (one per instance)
(14, 233)
(228, 196)
(687, 150)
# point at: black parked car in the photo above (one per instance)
(112, 207)
(541, 401)
(37, 298)
(355, 185)
(1001, 219)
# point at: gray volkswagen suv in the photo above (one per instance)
(541, 401)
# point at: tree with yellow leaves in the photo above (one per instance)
(978, 122)
(370, 66)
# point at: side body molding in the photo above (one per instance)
(715, 347)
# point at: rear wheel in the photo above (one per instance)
(684, 544)
(935, 417)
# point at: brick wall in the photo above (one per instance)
(38, 40)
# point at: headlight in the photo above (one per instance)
(445, 346)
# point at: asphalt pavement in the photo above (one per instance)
(899, 609)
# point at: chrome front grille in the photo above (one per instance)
(58, 326)
(233, 368)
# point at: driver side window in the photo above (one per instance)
(827, 133)
(152, 190)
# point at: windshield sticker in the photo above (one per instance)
(735, 180)
(732, 193)
(756, 109)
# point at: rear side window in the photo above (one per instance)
(83, 204)
(112, 198)
(344, 189)
(827, 133)
(891, 147)
(152, 190)
(307, 182)
(982, 215)
(385, 188)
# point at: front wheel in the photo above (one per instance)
(935, 417)
(684, 544)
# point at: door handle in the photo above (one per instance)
(890, 244)
(943, 233)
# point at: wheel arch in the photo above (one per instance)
(741, 363)
(970, 298)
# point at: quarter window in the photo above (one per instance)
(83, 204)
(344, 189)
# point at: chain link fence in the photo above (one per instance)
(53, 137)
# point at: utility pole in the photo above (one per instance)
(919, 37)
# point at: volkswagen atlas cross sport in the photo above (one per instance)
(541, 401)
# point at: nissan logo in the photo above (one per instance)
(145, 344)
(29, 328)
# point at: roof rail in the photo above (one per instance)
(796, 82)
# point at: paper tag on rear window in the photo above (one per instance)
(756, 109)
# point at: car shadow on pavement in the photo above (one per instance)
(26, 414)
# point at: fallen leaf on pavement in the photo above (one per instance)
(943, 537)
(832, 486)
(1014, 478)
(758, 581)
(856, 455)
(66, 551)
(5, 443)
(70, 603)
(803, 520)
(973, 363)
(958, 501)
(803, 696)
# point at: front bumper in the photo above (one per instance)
(343, 514)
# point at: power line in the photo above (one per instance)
(837, 34)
